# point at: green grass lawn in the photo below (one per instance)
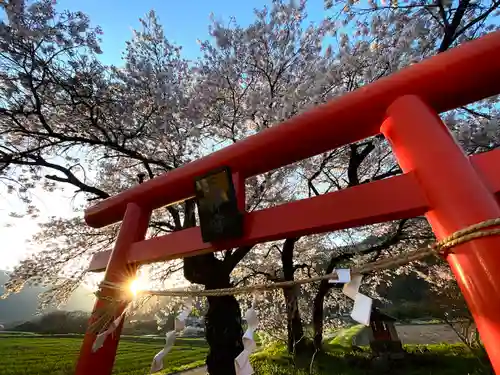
(56, 356)
(344, 336)
(25, 354)
(339, 360)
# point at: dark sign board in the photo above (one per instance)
(217, 206)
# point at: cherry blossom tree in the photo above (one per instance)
(384, 42)
(260, 76)
(388, 37)
(67, 120)
(418, 29)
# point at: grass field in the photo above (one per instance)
(35, 355)
(344, 336)
(23, 355)
(433, 359)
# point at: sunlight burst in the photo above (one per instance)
(137, 285)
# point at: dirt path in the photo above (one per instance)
(426, 334)
(195, 371)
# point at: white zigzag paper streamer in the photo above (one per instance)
(157, 364)
(362, 309)
(361, 312)
(101, 337)
(180, 324)
(343, 274)
(351, 288)
(242, 361)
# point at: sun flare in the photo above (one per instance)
(137, 285)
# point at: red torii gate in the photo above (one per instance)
(440, 182)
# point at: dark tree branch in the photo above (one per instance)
(287, 258)
(273, 247)
(321, 168)
(394, 171)
(267, 275)
(189, 214)
(236, 256)
(302, 267)
(450, 32)
(159, 224)
(478, 19)
(442, 14)
(393, 239)
(69, 178)
(355, 160)
(176, 217)
(476, 113)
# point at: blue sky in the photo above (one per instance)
(184, 21)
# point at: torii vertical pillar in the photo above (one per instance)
(458, 198)
(133, 229)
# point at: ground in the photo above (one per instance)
(426, 334)
(408, 334)
(444, 359)
(38, 355)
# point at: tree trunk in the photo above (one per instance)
(318, 314)
(318, 309)
(223, 329)
(295, 330)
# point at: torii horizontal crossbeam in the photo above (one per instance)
(390, 199)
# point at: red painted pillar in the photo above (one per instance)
(458, 197)
(239, 187)
(133, 229)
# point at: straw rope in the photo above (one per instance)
(441, 248)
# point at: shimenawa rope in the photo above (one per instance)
(442, 248)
